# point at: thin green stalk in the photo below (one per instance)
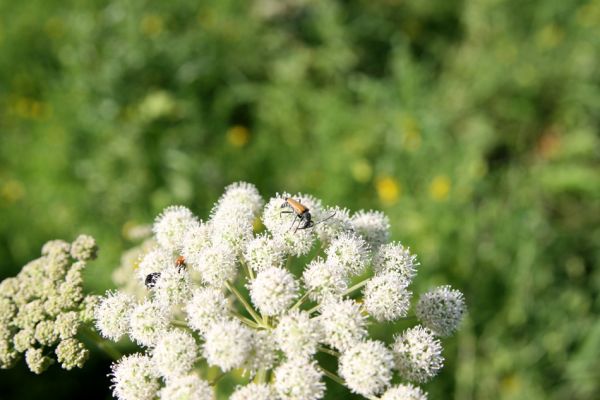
(329, 351)
(242, 300)
(245, 320)
(355, 287)
(181, 324)
(301, 300)
(103, 344)
(216, 379)
(332, 376)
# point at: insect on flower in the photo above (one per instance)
(180, 262)
(302, 213)
(151, 279)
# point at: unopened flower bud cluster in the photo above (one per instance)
(233, 295)
(43, 308)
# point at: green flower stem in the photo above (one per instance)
(181, 324)
(301, 300)
(242, 300)
(355, 287)
(216, 379)
(332, 376)
(103, 344)
(245, 320)
(329, 351)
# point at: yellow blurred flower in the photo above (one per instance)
(440, 187)
(362, 170)
(388, 190)
(549, 36)
(238, 136)
(27, 108)
(411, 131)
(11, 191)
(151, 24)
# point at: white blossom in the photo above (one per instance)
(196, 239)
(186, 387)
(170, 226)
(227, 345)
(263, 252)
(206, 307)
(172, 287)
(155, 261)
(298, 335)
(262, 354)
(441, 310)
(342, 323)
(386, 297)
(418, 354)
(299, 379)
(273, 291)
(324, 280)
(134, 378)
(216, 264)
(174, 354)
(404, 392)
(112, 314)
(395, 257)
(373, 226)
(333, 222)
(367, 367)
(349, 252)
(254, 391)
(148, 322)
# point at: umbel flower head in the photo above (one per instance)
(43, 308)
(224, 294)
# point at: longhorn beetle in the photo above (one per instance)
(302, 214)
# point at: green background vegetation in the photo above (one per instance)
(472, 124)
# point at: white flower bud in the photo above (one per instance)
(386, 297)
(227, 345)
(67, 324)
(298, 335)
(216, 265)
(350, 252)
(324, 280)
(71, 353)
(172, 287)
(187, 387)
(36, 361)
(373, 226)
(263, 352)
(441, 310)
(148, 322)
(343, 324)
(206, 307)
(175, 354)
(263, 252)
(333, 222)
(367, 367)
(112, 315)
(134, 378)
(397, 258)
(418, 354)
(254, 391)
(45, 333)
(404, 392)
(84, 248)
(299, 379)
(170, 226)
(273, 291)
(195, 241)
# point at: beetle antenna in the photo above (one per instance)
(326, 219)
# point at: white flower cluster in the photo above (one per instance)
(44, 307)
(235, 294)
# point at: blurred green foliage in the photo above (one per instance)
(472, 124)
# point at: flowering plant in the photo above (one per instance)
(217, 293)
